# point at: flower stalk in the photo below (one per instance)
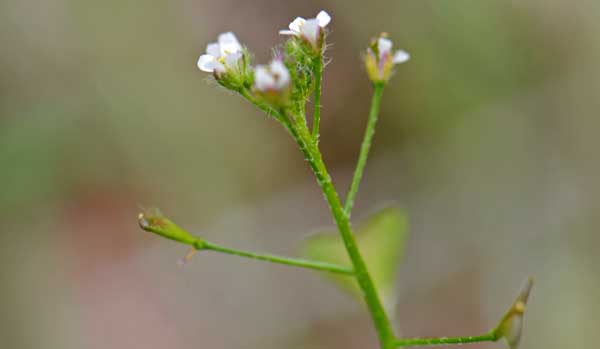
(414, 342)
(365, 147)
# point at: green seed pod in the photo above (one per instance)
(153, 221)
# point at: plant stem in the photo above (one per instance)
(308, 147)
(364, 148)
(259, 104)
(296, 262)
(412, 342)
(317, 100)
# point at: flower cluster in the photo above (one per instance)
(289, 78)
(281, 89)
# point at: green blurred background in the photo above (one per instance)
(487, 139)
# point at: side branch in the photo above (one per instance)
(364, 148)
(153, 221)
(295, 262)
(414, 342)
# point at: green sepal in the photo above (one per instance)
(300, 59)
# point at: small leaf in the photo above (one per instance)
(381, 240)
(511, 325)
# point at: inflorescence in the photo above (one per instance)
(281, 89)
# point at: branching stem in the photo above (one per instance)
(303, 138)
(308, 145)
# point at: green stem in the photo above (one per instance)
(413, 342)
(308, 147)
(296, 262)
(364, 148)
(259, 104)
(317, 109)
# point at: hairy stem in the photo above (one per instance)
(413, 342)
(364, 148)
(301, 134)
(317, 100)
(295, 262)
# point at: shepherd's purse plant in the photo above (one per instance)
(363, 263)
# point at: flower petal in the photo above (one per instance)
(281, 73)
(384, 46)
(311, 31)
(324, 18)
(231, 60)
(207, 63)
(297, 24)
(213, 49)
(400, 56)
(219, 68)
(229, 43)
(288, 32)
(263, 80)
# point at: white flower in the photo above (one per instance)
(274, 77)
(384, 48)
(221, 55)
(380, 60)
(308, 29)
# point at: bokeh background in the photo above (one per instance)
(488, 140)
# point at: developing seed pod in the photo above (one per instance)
(511, 325)
(153, 221)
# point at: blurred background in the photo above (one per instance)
(487, 139)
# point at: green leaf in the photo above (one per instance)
(381, 240)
